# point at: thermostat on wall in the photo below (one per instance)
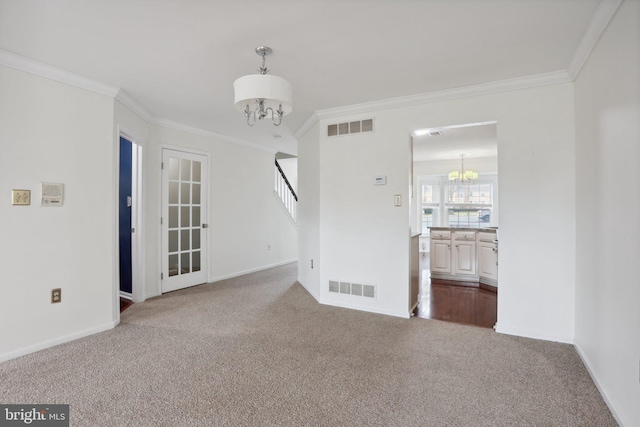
(380, 180)
(52, 194)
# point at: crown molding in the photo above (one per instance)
(165, 123)
(133, 105)
(18, 62)
(597, 26)
(12, 60)
(308, 124)
(555, 77)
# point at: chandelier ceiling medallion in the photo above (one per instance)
(260, 95)
(463, 176)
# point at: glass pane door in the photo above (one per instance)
(184, 204)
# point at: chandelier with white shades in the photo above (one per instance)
(260, 95)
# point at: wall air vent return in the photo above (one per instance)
(334, 286)
(357, 289)
(369, 291)
(345, 288)
(350, 127)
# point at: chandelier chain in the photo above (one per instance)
(263, 70)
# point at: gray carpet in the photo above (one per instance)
(258, 350)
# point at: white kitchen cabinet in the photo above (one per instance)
(453, 255)
(440, 256)
(464, 253)
(488, 258)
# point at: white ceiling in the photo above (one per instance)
(478, 141)
(179, 58)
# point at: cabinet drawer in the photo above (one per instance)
(465, 236)
(487, 237)
(440, 235)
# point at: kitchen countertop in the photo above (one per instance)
(485, 230)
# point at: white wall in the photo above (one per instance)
(309, 212)
(364, 238)
(53, 132)
(244, 215)
(608, 202)
(56, 132)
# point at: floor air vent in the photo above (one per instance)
(357, 289)
(358, 126)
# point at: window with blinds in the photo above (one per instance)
(469, 205)
(456, 205)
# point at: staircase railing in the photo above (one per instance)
(286, 194)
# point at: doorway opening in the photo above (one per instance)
(129, 193)
(455, 171)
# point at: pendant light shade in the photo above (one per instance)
(259, 95)
(275, 91)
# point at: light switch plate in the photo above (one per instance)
(21, 197)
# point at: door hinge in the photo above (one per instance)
(161, 165)
(161, 276)
(160, 220)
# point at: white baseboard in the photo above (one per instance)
(533, 334)
(333, 303)
(251, 270)
(314, 295)
(594, 377)
(57, 341)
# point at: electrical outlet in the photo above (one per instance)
(56, 295)
(21, 197)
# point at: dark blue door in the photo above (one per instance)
(124, 201)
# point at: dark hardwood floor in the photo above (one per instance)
(124, 304)
(461, 302)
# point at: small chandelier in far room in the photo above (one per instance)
(260, 95)
(463, 176)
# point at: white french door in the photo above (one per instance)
(184, 213)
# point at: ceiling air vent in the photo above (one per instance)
(347, 128)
